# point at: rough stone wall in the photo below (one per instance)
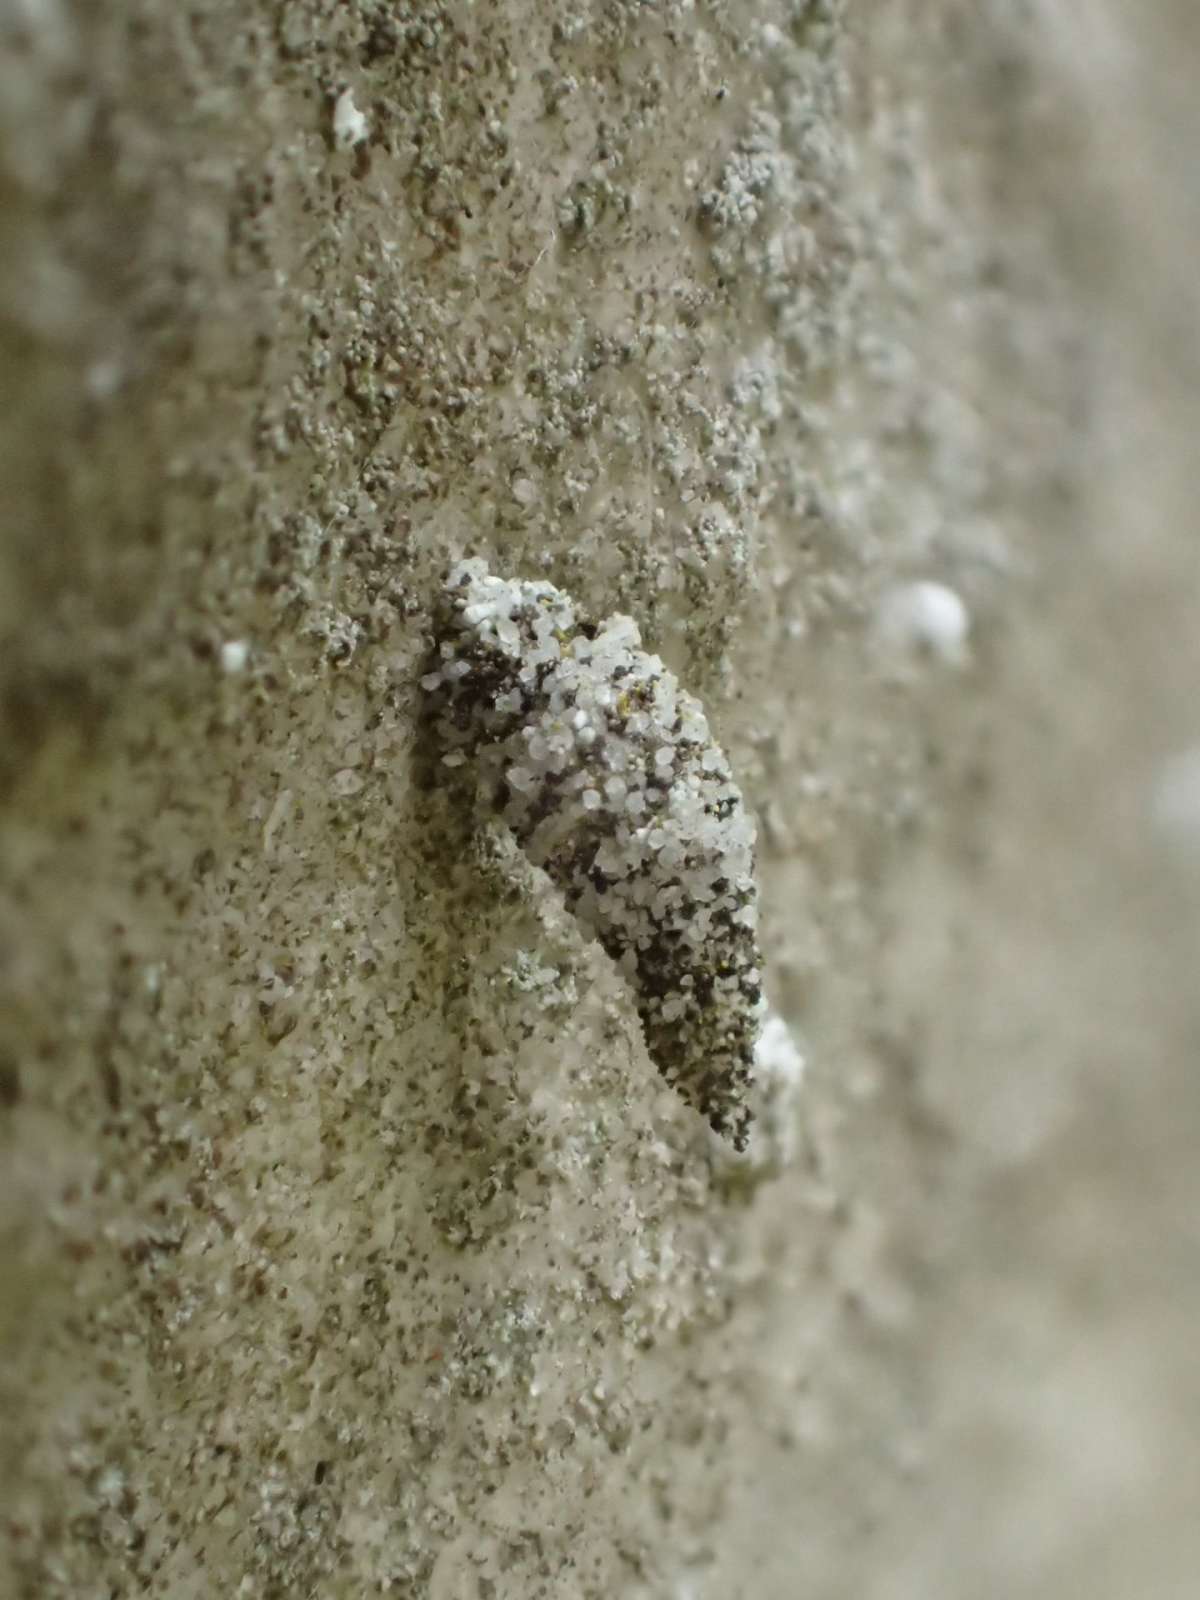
(349, 1241)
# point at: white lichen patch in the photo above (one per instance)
(606, 771)
(350, 126)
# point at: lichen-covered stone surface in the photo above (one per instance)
(350, 1241)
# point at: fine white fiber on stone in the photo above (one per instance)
(606, 772)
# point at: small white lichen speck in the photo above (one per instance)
(350, 126)
(607, 774)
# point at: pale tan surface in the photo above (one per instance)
(349, 1243)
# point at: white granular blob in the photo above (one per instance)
(777, 1058)
(640, 824)
(350, 126)
(925, 618)
(235, 653)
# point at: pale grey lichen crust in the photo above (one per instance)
(607, 774)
